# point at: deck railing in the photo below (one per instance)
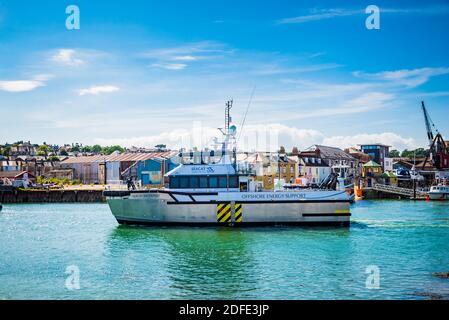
(397, 190)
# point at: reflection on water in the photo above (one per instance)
(407, 240)
(222, 263)
(207, 261)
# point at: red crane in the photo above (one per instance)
(439, 151)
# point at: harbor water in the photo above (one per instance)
(42, 246)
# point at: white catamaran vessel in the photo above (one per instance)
(219, 193)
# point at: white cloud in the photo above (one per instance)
(185, 58)
(254, 138)
(323, 14)
(98, 90)
(320, 15)
(170, 66)
(389, 138)
(20, 85)
(261, 138)
(407, 77)
(24, 85)
(274, 69)
(164, 57)
(67, 57)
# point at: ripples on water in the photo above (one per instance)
(407, 240)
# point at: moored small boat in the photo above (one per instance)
(439, 192)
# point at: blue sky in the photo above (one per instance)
(147, 72)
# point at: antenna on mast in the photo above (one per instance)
(227, 115)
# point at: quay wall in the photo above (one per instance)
(374, 194)
(48, 196)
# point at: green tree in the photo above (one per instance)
(86, 149)
(63, 152)
(421, 152)
(394, 154)
(6, 151)
(53, 158)
(110, 149)
(96, 148)
(43, 150)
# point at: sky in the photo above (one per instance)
(148, 72)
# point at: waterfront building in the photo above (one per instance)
(313, 169)
(371, 172)
(378, 152)
(60, 174)
(389, 178)
(114, 168)
(264, 171)
(339, 162)
(150, 172)
(266, 168)
(20, 179)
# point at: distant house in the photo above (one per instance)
(313, 168)
(10, 165)
(25, 149)
(266, 167)
(388, 164)
(263, 169)
(378, 152)
(339, 161)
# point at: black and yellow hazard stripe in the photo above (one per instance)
(224, 212)
(238, 212)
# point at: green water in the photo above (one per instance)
(406, 240)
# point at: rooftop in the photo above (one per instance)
(131, 157)
(374, 144)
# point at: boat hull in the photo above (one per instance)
(230, 209)
(438, 196)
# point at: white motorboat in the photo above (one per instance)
(439, 192)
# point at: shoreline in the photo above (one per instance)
(51, 196)
(96, 196)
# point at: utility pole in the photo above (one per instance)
(414, 174)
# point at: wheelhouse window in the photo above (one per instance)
(233, 181)
(203, 182)
(174, 182)
(213, 182)
(194, 182)
(184, 182)
(222, 182)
